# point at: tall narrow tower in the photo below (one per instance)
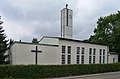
(66, 22)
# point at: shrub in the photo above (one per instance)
(47, 71)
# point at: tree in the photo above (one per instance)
(108, 32)
(3, 45)
(35, 41)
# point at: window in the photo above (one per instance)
(69, 59)
(103, 55)
(90, 51)
(82, 59)
(93, 59)
(100, 51)
(100, 59)
(94, 51)
(78, 56)
(100, 56)
(103, 51)
(113, 60)
(83, 49)
(78, 50)
(82, 55)
(90, 57)
(63, 49)
(78, 59)
(69, 49)
(103, 59)
(63, 59)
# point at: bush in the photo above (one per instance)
(47, 71)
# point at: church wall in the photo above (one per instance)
(48, 40)
(21, 54)
(112, 58)
(74, 54)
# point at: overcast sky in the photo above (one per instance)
(28, 19)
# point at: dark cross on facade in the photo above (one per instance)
(36, 52)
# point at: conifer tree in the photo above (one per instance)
(3, 45)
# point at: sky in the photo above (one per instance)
(28, 19)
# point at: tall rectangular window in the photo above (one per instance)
(103, 51)
(83, 50)
(93, 59)
(100, 59)
(90, 51)
(69, 59)
(90, 55)
(69, 49)
(78, 59)
(94, 51)
(103, 59)
(100, 51)
(100, 56)
(63, 59)
(78, 50)
(90, 59)
(82, 59)
(103, 55)
(63, 49)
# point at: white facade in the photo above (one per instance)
(54, 54)
(21, 54)
(113, 58)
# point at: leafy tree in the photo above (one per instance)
(35, 41)
(108, 32)
(3, 45)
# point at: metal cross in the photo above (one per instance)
(36, 52)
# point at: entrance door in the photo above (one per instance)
(113, 60)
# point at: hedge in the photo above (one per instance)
(48, 71)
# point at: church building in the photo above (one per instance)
(61, 50)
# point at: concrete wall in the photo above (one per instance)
(74, 46)
(66, 23)
(21, 54)
(112, 58)
(48, 40)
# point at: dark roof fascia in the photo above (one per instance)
(34, 44)
(73, 40)
(80, 41)
(113, 53)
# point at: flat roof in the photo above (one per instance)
(75, 40)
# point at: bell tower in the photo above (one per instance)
(66, 22)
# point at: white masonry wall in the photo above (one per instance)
(74, 46)
(21, 54)
(111, 58)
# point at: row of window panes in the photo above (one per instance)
(78, 55)
(68, 56)
(101, 52)
(90, 55)
(82, 58)
(68, 48)
(100, 57)
(68, 59)
(90, 51)
(82, 51)
(78, 59)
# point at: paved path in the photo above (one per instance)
(111, 75)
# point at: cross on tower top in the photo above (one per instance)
(66, 5)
